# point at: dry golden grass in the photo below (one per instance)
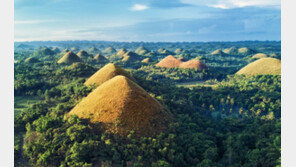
(195, 64)
(104, 74)
(69, 58)
(169, 62)
(160, 50)
(147, 60)
(259, 56)
(122, 106)
(82, 54)
(263, 66)
(100, 57)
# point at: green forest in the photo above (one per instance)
(220, 118)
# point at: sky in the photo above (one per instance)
(147, 20)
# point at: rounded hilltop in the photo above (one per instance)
(130, 56)
(121, 52)
(69, 58)
(141, 50)
(109, 50)
(83, 54)
(231, 50)
(121, 106)
(263, 66)
(217, 52)
(169, 62)
(31, 60)
(104, 74)
(193, 64)
(259, 56)
(146, 60)
(245, 51)
(99, 57)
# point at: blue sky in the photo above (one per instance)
(147, 20)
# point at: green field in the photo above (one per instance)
(192, 84)
(22, 102)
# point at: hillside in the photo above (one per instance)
(169, 62)
(104, 74)
(123, 106)
(195, 64)
(259, 56)
(69, 58)
(262, 66)
(100, 57)
(83, 54)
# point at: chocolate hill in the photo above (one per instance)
(121, 52)
(259, 56)
(65, 51)
(104, 74)
(69, 58)
(263, 66)
(56, 50)
(100, 57)
(147, 60)
(196, 64)
(217, 52)
(160, 50)
(121, 106)
(245, 51)
(167, 52)
(231, 51)
(93, 50)
(141, 50)
(110, 50)
(44, 51)
(31, 60)
(83, 54)
(169, 62)
(130, 56)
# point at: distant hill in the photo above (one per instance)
(130, 56)
(31, 60)
(245, 51)
(195, 64)
(100, 58)
(104, 74)
(109, 50)
(169, 62)
(121, 52)
(69, 58)
(178, 51)
(231, 51)
(259, 56)
(262, 66)
(83, 54)
(141, 50)
(217, 52)
(44, 52)
(93, 50)
(121, 106)
(147, 60)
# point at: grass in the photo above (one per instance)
(22, 102)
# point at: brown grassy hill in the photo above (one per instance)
(141, 50)
(245, 51)
(100, 57)
(104, 74)
(31, 60)
(110, 50)
(130, 56)
(196, 64)
(167, 52)
(123, 106)
(56, 50)
(121, 52)
(259, 56)
(69, 58)
(65, 51)
(147, 60)
(262, 66)
(232, 50)
(169, 62)
(83, 54)
(217, 52)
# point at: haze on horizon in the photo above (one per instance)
(147, 20)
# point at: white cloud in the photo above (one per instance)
(228, 4)
(139, 7)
